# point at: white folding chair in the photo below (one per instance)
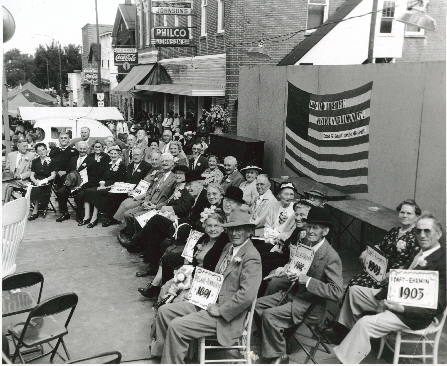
(15, 217)
(435, 328)
(243, 345)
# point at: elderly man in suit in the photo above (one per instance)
(198, 163)
(165, 142)
(177, 324)
(392, 316)
(127, 152)
(132, 202)
(18, 168)
(232, 176)
(158, 194)
(135, 172)
(85, 136)
(323, 281)
(75, 163)
(264, 201)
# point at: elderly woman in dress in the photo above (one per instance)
(96, 196)
(43, 173)
(206, 254)
(175, 148)
(399, 245)
(212, 174)
(248, 187)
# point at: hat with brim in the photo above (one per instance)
(235, 194)
(180, 168)
(320, 216)
(315, 193)
(239, 217)
(251, 167)
(192, 176)
(304, 202)
(114, 147)
(286, 185)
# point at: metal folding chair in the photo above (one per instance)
(17, 300)
(112, 357)
(243, 345)
(41, 328)
(316, 334)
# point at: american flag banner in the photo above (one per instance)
(327, 137)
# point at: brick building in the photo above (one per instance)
(223, 31)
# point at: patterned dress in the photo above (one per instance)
(399, 252)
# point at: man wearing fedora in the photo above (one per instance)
(177, 324)
(322, 282)
(317, 197)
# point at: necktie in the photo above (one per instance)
(19, 163)
(415, 260)
(226, 261)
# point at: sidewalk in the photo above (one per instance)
(111, 314)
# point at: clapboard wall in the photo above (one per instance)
(407, 127)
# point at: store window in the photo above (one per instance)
(414, 31)
(386, 23)
(317, 13)
(203, 18)
(220, 16)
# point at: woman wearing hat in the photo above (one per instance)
(232, 199)
(95, 197)
(248, 187)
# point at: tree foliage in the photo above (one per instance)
(19, 67)
(45, 68)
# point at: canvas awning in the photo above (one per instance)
(19, 101)
(97, 113)
(179, 89)
(135, 76)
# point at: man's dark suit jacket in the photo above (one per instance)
(139, 174)
(194, 214)
(201, 166)
(419, 318)
(181, 205)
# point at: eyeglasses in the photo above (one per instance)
(426, 231)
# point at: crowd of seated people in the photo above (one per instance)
(245, 233)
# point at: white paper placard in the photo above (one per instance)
(121, 187)
(205, 287)
(375, 264)
(84, 177)
(191, 242)
(411, 287)
(144, 218)
(301, 261)
(140, 189)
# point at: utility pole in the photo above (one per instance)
(98, 58)
(60, 76)
(372, 32)
(48, 76)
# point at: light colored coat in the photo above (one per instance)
(271, 219)
(326, 283)
(159, 192)
(24, 168)
(261, 208)
(239, 289)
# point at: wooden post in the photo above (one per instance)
(5, 113)
(372, 32)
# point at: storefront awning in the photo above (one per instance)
(138, 73)
(179, 89)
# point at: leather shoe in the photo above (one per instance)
(150, 291)
(284, 359)
(336, 334)
(63, 217)
(131, 248)
(110, 222)
(33, 217)
(123, 239)
(83, 222)
(93, 224)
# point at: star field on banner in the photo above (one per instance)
(327, 136)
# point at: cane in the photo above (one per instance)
(281, 302)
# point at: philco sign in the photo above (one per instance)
(171, 36)
(176, 7)
(125, 55)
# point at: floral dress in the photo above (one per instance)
(399, 252)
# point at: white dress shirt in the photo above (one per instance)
(80, 161)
